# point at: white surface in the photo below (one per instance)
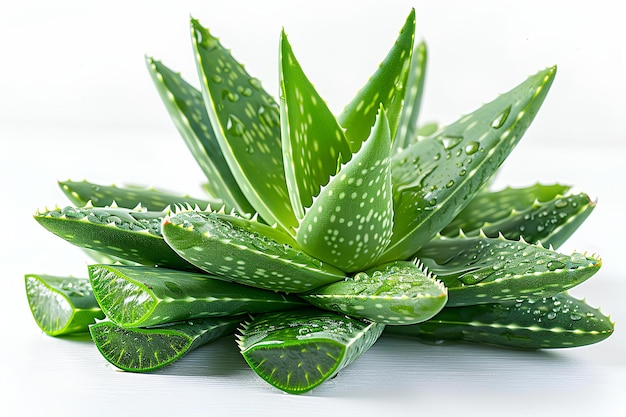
(97, 117)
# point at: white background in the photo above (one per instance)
(76, 102)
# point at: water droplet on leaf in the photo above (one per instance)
(234, 126)
(500, 119)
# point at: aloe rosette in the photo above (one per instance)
(319, 231)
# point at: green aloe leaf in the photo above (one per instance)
(61, 305)
(349, 224)
(313, 141)
(132, 234)
(396, 293)
(408, 131)
(493, 206)
(385, 87)
(81, 193)
(141, 296)
(246, 122)
(536, 214)
(147, 349)
(297, 351)
(559, 321)
(246, 251)
(188, 112)
(436, 177)
(486, 270)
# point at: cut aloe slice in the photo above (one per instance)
(539, 213)
(559, 321)
(435, 178)
(141, 296)
(297, 351)
(61, 305)
(485, 270)
(132, 234)
(142, 350)
(246, 251)
(396, 293)
(129, 196)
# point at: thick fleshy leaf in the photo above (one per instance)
(188, 112)
(550, 219)
(485, 270)
(559, 321)
(297, 351)
(435, 178)
(349, 223)
(246, 251)
(385, 87)
(246, 122)
(132, 234)
(396, 293)
(141, 296)
(129, 196)
(142, 350)
(313, 141)
(408, 131)
(61, 305)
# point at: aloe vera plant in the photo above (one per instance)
(327, 229)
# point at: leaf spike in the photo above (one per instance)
(89, 204)
(481, 234)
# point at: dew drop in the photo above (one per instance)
(232, 97)
(234, 126)
(560, 203)
(551, 315)
(450, 184)
(575, 317)
(437, 156)
(217, 78)
(450, 142)
(500, 119)
(244, 91)
(472, 148)
(463, 172)
(432, 202)
(269, 116)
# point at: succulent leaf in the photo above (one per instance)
(142, 296)
(385, 87)
(142, 350)
(313, 141)
(246, 252)
(297, 351)
(396, 293)
(132, 234)
(82, 193)
(188, 112)
(61, 305)
(246, 122)
(436, 177)
(485, 270)
(550, 219)
(349, 223)
(560, 321)
(408, 131)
